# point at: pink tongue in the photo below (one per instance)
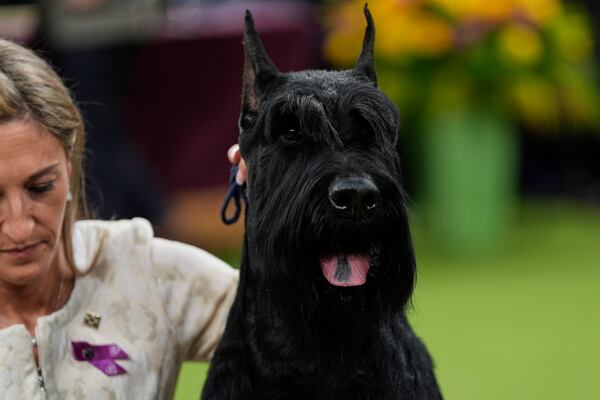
(346, 270)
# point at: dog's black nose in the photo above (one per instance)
(354, 195)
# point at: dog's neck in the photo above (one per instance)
(335, 327)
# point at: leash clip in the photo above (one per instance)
(237, 193)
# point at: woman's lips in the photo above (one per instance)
(21, 252)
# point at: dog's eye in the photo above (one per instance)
(291, 135)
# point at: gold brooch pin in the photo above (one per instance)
(92, 319)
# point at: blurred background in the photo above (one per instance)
(500, 119)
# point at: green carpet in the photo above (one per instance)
(523, 323)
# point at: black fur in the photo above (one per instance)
(291, 334)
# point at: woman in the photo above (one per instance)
(88, 309)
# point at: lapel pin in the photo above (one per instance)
(92, 319)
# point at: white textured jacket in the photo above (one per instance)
(161, 302)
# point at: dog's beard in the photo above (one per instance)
(309, 250)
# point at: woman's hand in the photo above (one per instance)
(235, 157)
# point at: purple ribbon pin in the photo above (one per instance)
(101, 356)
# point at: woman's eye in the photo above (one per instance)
(291, 135)
(41, 188)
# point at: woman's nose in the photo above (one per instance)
(16, 219)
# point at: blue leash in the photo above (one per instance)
(237, 193)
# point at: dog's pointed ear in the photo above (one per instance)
(365, 63)
(259, 72)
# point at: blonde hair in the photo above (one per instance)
(31, 90)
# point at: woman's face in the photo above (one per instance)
(34, 180)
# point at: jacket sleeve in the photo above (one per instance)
(197, 291)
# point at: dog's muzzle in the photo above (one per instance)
(354, 196)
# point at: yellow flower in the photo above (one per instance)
(521, 44)
(540, 11)
(412, 31)
(342, 48)
(392, 38)
(494, 11)
(536, 100)
(487, 10)
(432, 35)
(579, 95)
(403, 28)
(346, 26)
(573, 37)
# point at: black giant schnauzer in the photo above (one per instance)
(328, 265)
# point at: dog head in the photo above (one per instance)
(326, 212)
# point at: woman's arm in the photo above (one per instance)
(197, 290)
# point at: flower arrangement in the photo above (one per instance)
(528, 60)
